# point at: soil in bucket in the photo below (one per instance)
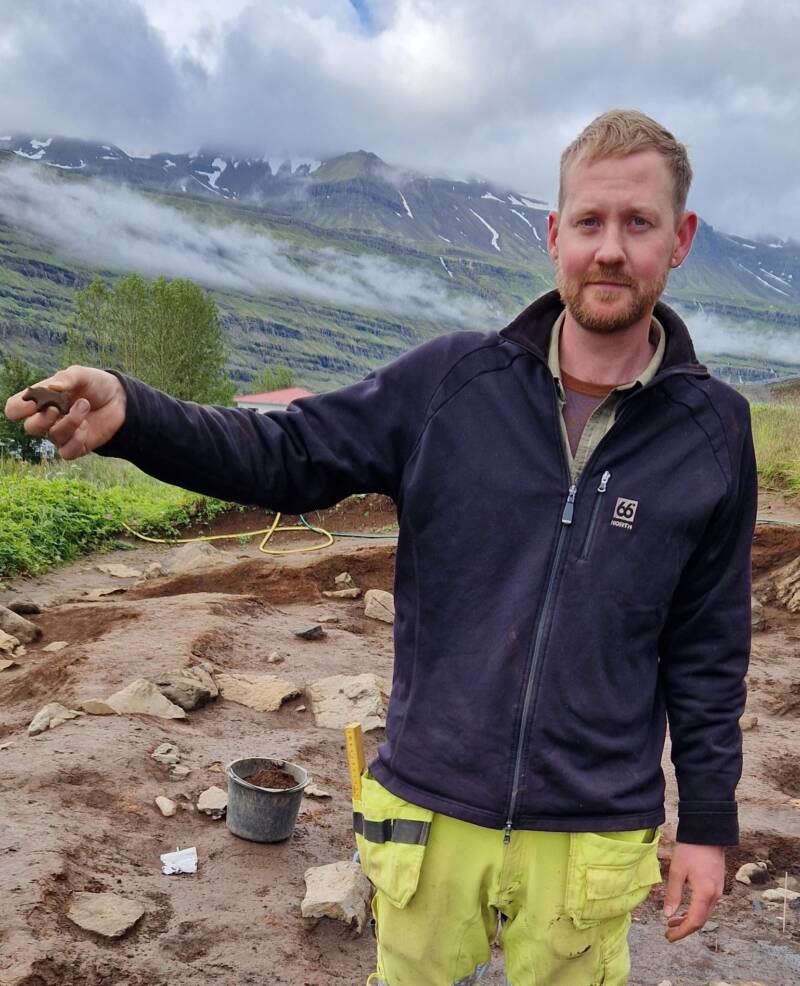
(273, 778)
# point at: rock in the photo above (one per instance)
(6, 664)
(56, 646)
(341, 699)
(757, 614)
(264, 692)
(109, 915)
(204, 676)
(344, 580)
(779, 894)
(120, 571)
(213, 801)
(748, 721)
(179, 771)
(97, 707)
(141, 697)
(8, 644)
(5, 746)
(276, 658)
(787, 585)
(300, 708)
(167, 754)
(53, 714)
(312, 791)
(194, 558)
(314, 632)
(752, 873)
(709, 927)
(791, 883)
(338, 890)
(95, 595)
(154, 570)
(794, 802)
(183, 690)
(166, 806)
(17, 626)
(379, 605)
(24, 607)
(343, 594)
(665, 982)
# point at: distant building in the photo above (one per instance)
(272, 400)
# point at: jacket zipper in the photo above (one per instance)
(587, 544)
(566, 522)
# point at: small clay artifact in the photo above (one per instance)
(44, 398)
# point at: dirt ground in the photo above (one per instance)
(78, 801)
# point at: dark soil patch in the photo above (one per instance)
(87, 621)
(782, 851)
(774, 545)
(371, 568)
(357, 514)
(786, 774)
(272, 778)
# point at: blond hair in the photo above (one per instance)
(618, 133)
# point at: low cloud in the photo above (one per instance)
(714, 336)
(117, 228)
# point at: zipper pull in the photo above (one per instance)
(507, 833)
(604, 482)
(569, 506)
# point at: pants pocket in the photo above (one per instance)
(607, 877)
(391, 835)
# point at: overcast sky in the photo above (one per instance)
(461, 87)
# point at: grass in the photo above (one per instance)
(776, 434)
(54, 512)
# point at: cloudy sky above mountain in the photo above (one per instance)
(463, 87)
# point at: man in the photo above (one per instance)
(576, 499)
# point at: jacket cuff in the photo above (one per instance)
(128, 437)
(708, 823)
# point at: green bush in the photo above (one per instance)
(52, 513)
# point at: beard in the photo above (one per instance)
(641, 299)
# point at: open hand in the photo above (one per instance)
(703, 869)
(96, 415)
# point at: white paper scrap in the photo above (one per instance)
(181, 861)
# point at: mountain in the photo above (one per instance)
(478, 239)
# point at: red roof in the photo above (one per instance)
(285, 396)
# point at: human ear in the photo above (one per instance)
(684, 235)
(552, 235)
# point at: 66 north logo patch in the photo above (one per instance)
(624, 513)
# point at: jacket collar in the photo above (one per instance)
(531, 330)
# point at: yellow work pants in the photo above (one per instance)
(557, 903)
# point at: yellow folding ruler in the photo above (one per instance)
(354, 742)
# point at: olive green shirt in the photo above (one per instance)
(603, 416)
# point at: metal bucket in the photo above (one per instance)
(262, 814)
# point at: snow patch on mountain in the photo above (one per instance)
(494, 198)
(522, 217)
(761, 280)
(492, 230)
(32, 157)
(65, 167)
(409, 213)
(42, 143)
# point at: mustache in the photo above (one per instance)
(608, 276)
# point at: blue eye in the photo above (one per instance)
(640, 222)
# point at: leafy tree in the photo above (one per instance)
(167, 333)
(16, 375)
(272, 378)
